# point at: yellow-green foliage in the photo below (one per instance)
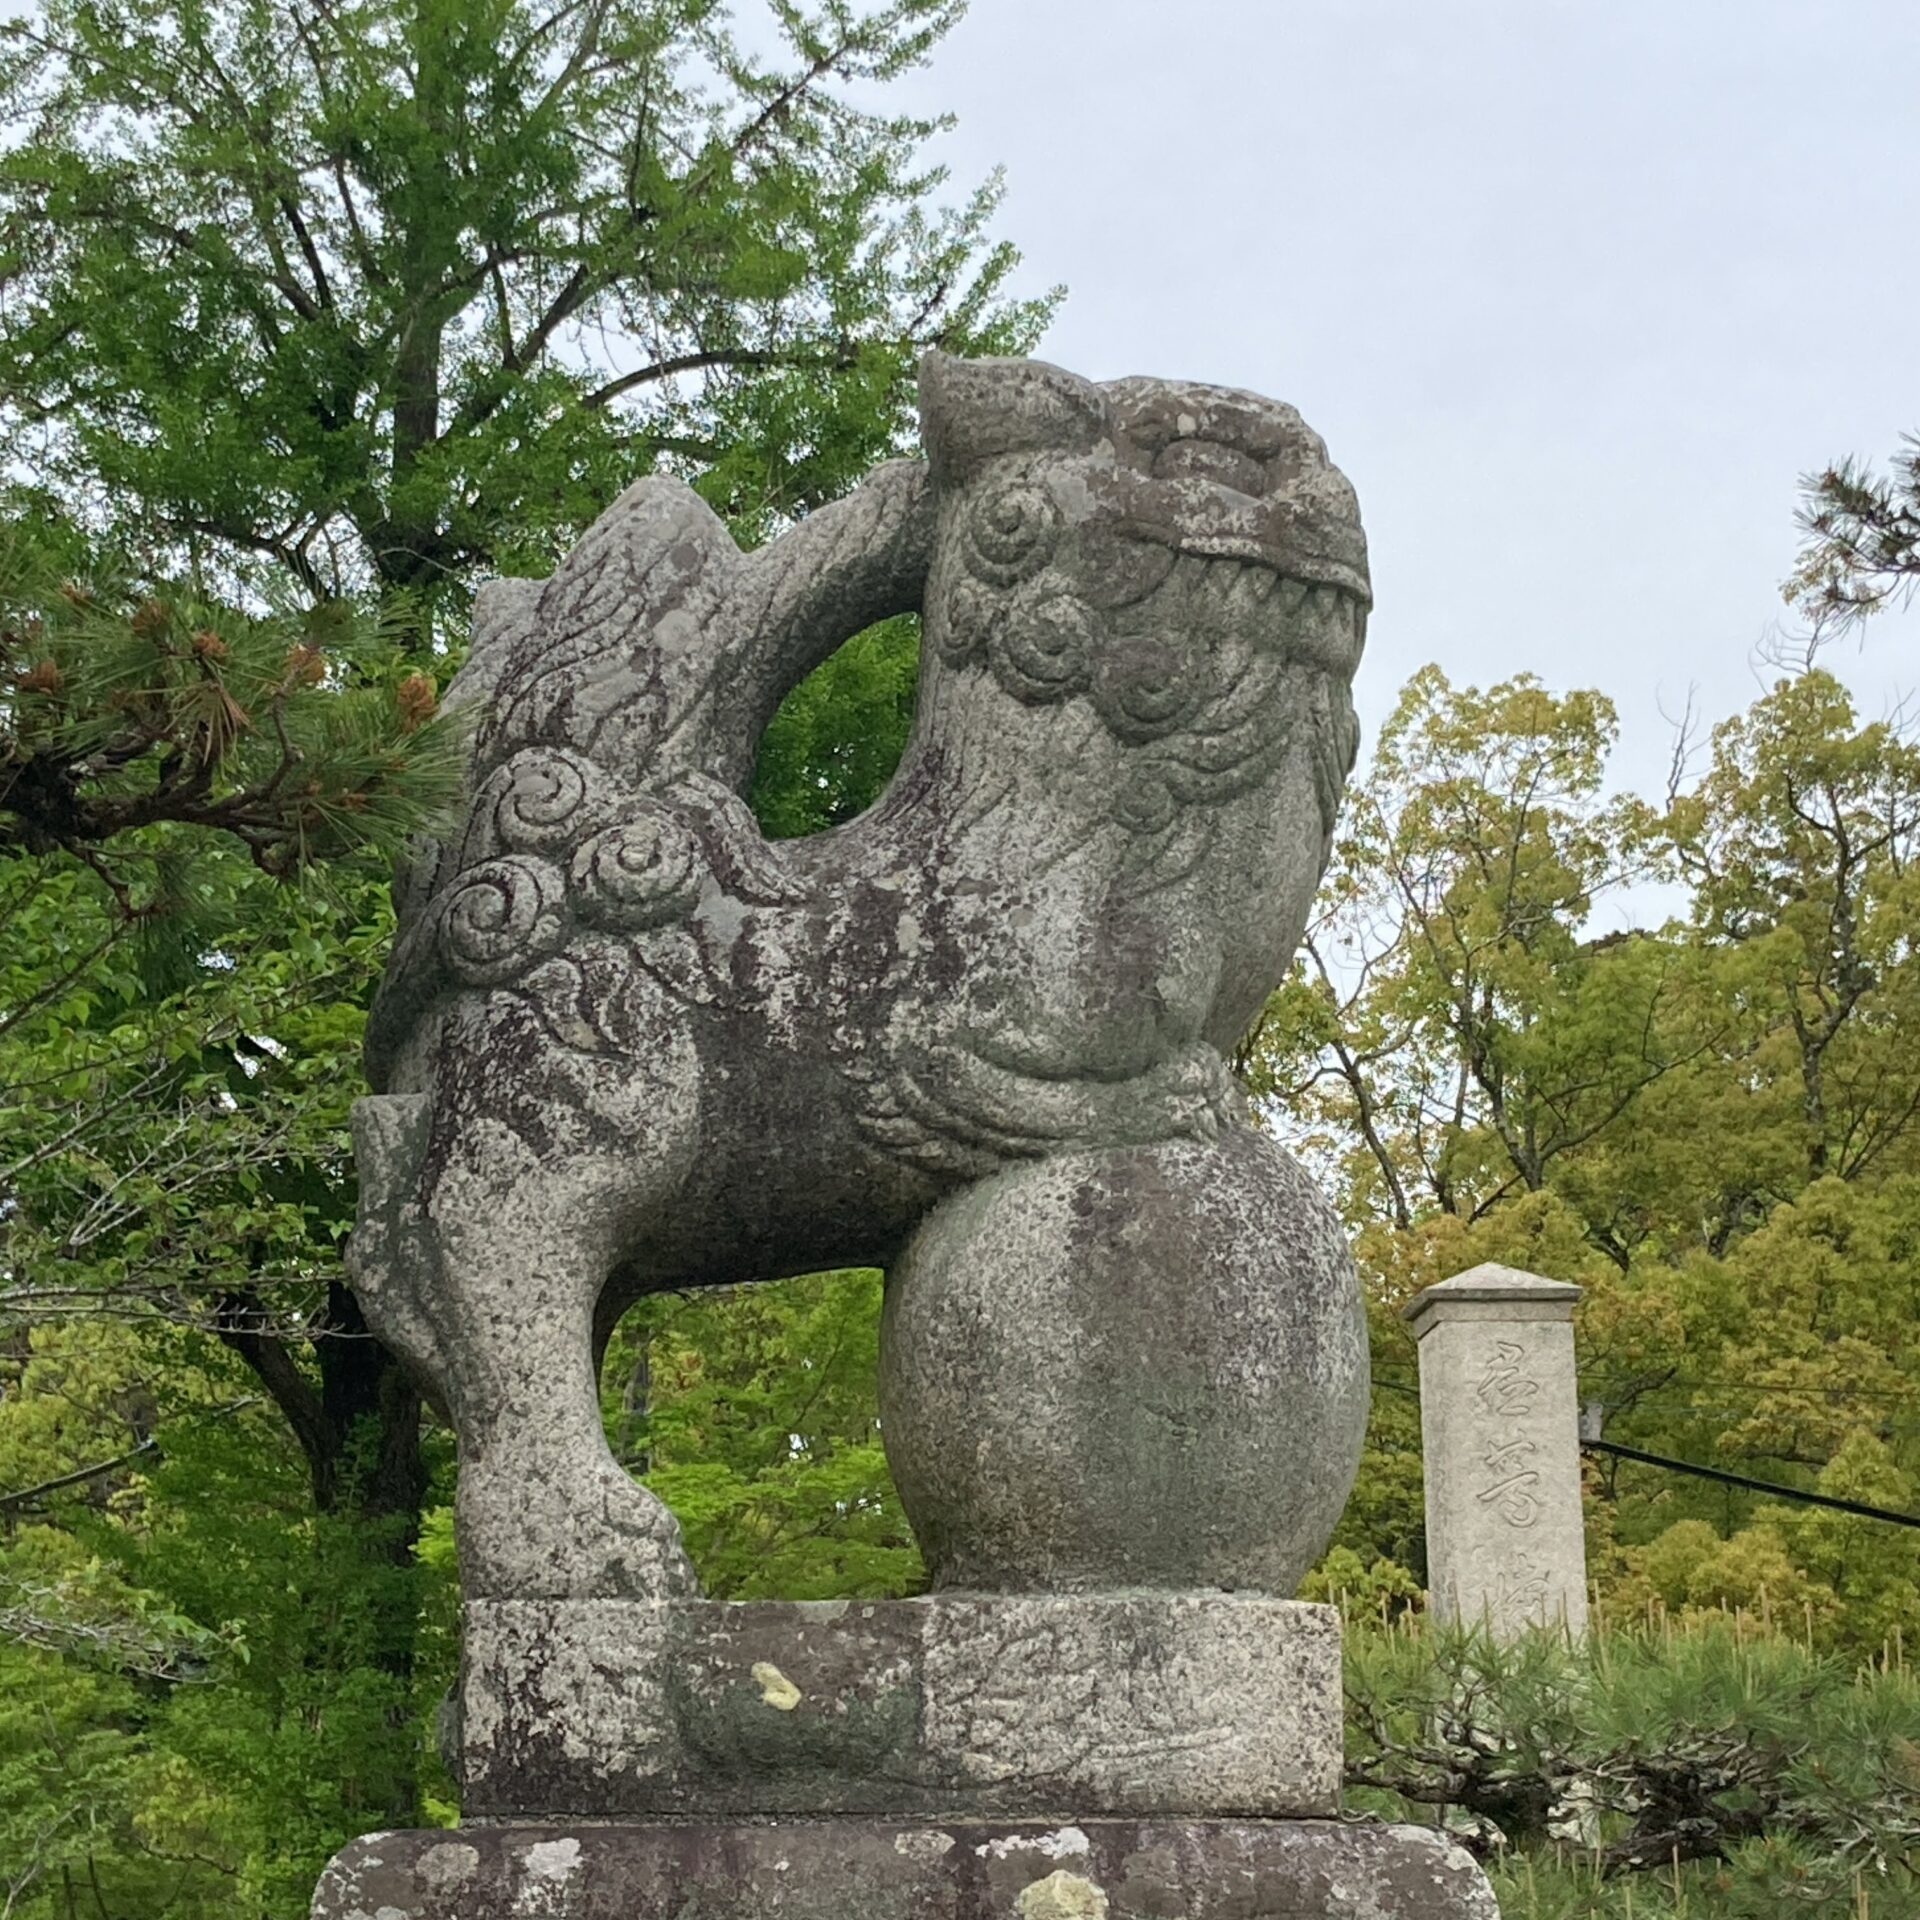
(1712, 1125)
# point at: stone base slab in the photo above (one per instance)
(969, 1705)
(858, 1869)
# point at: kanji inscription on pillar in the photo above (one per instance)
(1500, 1430)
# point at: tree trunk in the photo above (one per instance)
(408, 546)
(359, 1431)
(373, 1481)
(371, 1409)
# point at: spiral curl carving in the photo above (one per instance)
(1145, 804)
(503, 917)
(1145, 686)
(967, 615)
(1042, 650)
(538, 794)
(1011, 533)
(641, 873)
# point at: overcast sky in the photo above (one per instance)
(1575, 292)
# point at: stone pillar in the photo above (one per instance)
(1499, 1422)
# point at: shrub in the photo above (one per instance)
(1707, 1768)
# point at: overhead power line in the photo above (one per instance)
(1757, 1486)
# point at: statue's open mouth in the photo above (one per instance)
(1290, 562)
(1317, 609)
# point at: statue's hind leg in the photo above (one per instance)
(491, 1215)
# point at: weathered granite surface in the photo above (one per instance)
(1500, 1435)
(624, 1043)
(959, 1704)
(897, 1870)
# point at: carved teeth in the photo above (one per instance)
(1224, 583)
(1225, 578)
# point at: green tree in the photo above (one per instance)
(1712, 1125)
(839, 735)
(164, 763)
(310, 307)
(1452, 1036)
(753, 1415)
(194, 808)
(337, 295)
(1799, 846)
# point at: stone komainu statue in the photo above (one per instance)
(975, 1037)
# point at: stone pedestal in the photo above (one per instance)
(965, 1705)
(889, 1869)
(1171, 1756)
(1499, 1420)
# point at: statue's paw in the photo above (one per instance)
(1195, 1094)
(567, 1529)
(1190, 1096)
(952, 1109)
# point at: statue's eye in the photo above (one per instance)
(1211, 460)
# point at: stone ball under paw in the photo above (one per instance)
(1136, 1367)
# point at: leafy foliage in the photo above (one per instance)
(370, 295)
(202, 1542)
(839, 735)
(752, 1415)
(1712, 1125)
(231, 1708)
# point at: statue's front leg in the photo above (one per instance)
(492, 1211)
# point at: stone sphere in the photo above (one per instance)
(1136, 1367)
